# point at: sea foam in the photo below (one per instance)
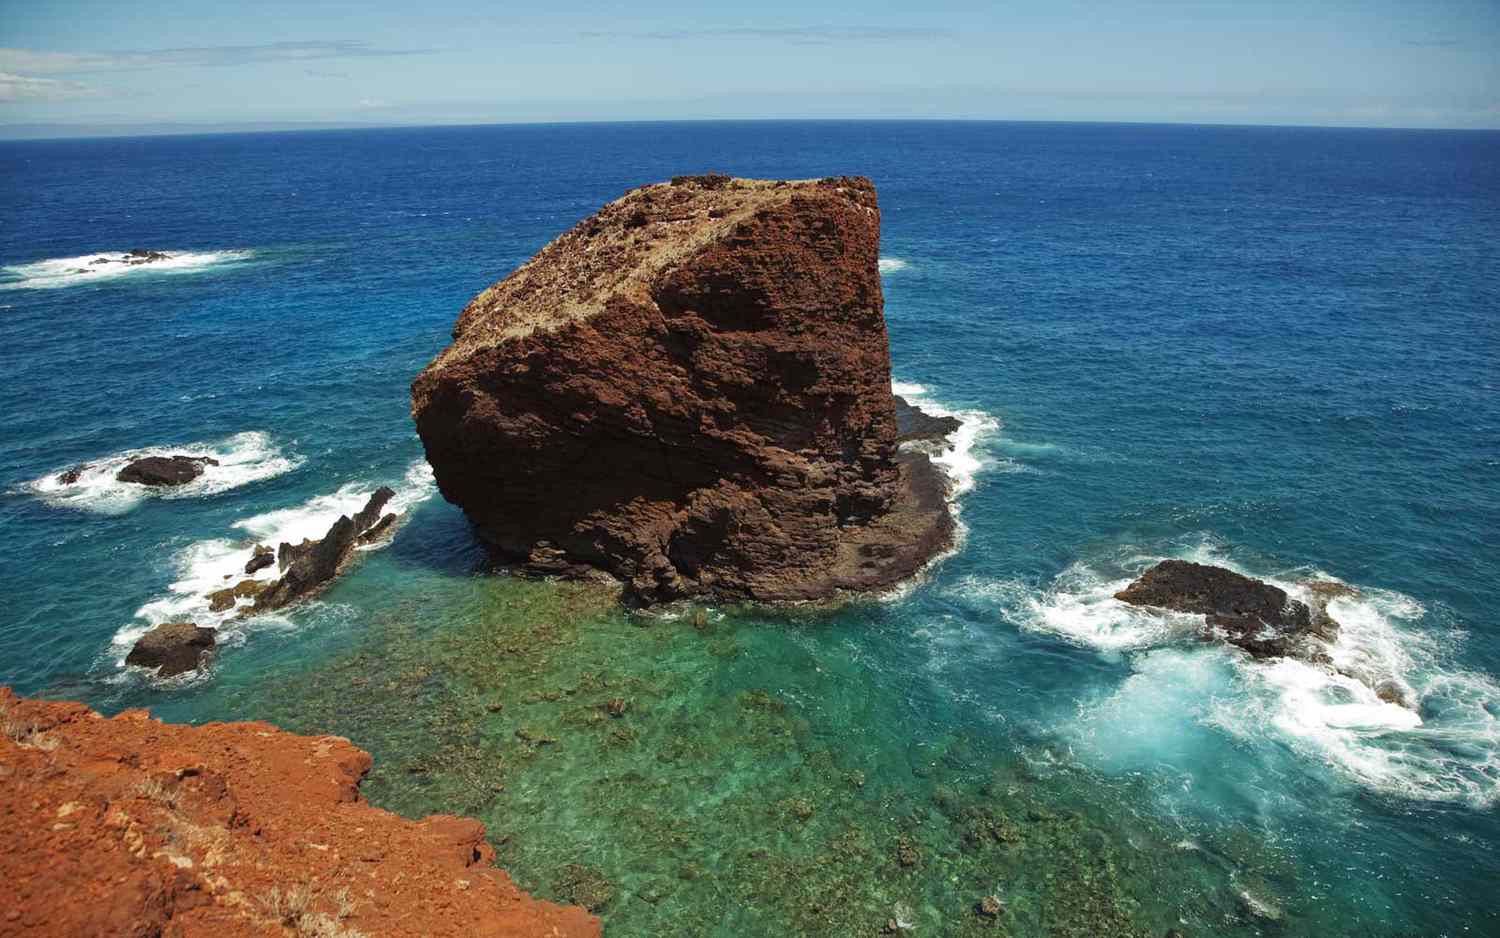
(71, 271)
(889, 265)
(1446, 746)
(243, 458)
(210, 565)
(959, 459)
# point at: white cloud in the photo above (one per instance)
(43, 62)
(25, 88)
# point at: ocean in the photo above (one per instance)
(1274, 349)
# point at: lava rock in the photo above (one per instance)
(71, 476)
(263, 557)
(690, 391)
(1245, 612)
(916, 425)
(165, 470)
(311, 565)
(172, 648)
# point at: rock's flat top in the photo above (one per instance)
(690, 391)
(620, 252)
(132, 827)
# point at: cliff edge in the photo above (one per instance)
(690, 391)
(132, 827)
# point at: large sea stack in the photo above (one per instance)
(691, 391)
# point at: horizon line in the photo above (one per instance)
(141, 129)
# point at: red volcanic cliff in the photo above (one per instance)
(131, 827)
(690, 391)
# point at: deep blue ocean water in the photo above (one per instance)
(1271, 348)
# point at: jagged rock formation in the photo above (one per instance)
(131, 827)
(1245, 612)
(159, 470)
(311, 565)
(914, 425)
(690, 391)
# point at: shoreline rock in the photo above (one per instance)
(690, 392)
(131, 826)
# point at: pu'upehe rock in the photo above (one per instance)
(172, 648)
(165, 470)
(311, 565)
(691, 391)
(132, 827)
(1250, 614)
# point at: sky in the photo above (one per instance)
(1380, 63)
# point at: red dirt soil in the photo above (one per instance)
(133, 827)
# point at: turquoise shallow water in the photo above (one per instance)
(1270, 348)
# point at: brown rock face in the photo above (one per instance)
(691, 391)
(172, 648)
(131, 827)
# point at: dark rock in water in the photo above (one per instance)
(370, 514)
(137, 256)
(165, 470)
(288, 553)
(378, 530)
(220, 600)
(690, 391)
(914, 424)
(312, 564)
(1247, 613)
(71, 476)
(172, 648)
(263, 557)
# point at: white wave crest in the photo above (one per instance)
(1444, 746)
(243, 458)
(210, 565)
(889, 265)
(959, 459)
(109, 265)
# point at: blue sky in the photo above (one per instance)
(1433, 63)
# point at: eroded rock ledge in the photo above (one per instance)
(128, 826)
(690, 391)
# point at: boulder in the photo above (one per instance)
(1245, 612)
(263, 557)
(690, 392)
(220, 600)
(71, 476)
(165, 470)
(172, 648)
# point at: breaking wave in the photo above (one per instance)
(210, 565)
(889, 265)
(243, 458)
(960, 459)
(1445, 746)
(109, 265)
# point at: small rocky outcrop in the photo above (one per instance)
(1245, 612)
(132, 258)
(130, 826)
(261, 558)
(309, 567)
(690, 392)
(172, 648)
(220, 600)
(165, 470)
(914, 425)
(71, 476)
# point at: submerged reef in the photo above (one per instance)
(675, 774)
(690, 391)
(129, 826)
